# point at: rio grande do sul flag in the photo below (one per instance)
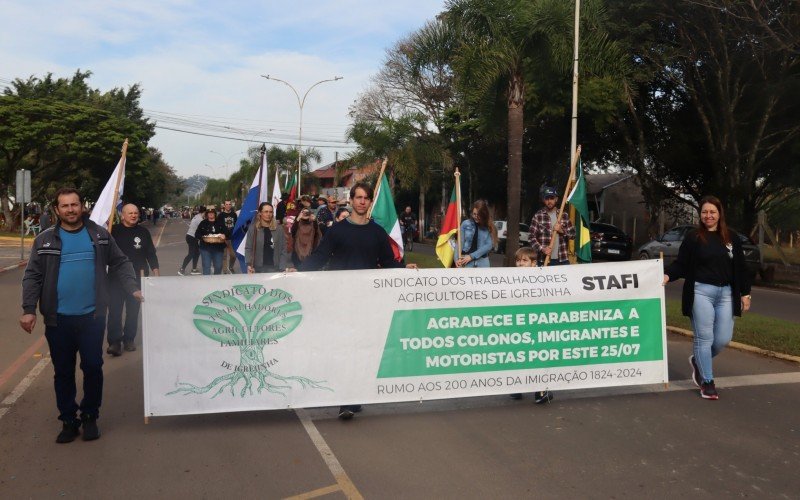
(444, 246)
(384, 214)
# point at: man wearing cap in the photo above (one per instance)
(546, 233)
(326, 212)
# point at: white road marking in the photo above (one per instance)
(344, 482)
(23, 385)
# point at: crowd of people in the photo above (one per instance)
(299, 236)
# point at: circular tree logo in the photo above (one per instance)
(249, 318)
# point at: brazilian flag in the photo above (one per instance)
(577, 198)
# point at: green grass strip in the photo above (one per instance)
(753, 329)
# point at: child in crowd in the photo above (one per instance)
(526, 257)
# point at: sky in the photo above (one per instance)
(199, 64)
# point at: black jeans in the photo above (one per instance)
(72, 335)
(194, 252)
(119, 299)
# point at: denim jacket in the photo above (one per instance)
(480, 257)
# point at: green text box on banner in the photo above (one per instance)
(476, 339)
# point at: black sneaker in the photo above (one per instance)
(708, 390)
(195, 272)
(542, 397)
(695, 371)
(516, 395)
(90, 429)
(69, 432)
(129, 346)
(115, 349)
(180, 272)
(345, 413)
(356, 408)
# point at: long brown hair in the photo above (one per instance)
(722, 225)
(485, 218)
(273, 225)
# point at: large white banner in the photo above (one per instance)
(269, 341)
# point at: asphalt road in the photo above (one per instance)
(619, 442)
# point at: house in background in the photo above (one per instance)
(617, 199)
(328, 183)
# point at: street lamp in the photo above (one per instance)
(226, 160)
(301, 103)
(213, 170)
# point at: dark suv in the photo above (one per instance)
(670, 242)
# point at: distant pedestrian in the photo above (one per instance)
(137, 244)
(716, 288)
(67, 276)
(212, 235)
(228, 217)
(45, 220)
(280, 210)
(192, 243)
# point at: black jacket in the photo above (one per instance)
(40, 282)
(686, 264)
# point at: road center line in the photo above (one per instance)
(344, 482)
(158, 238)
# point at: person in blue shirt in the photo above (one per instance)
(478, 237)
(68, 277)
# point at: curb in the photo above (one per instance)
(741, 347)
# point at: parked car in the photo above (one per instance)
(670, 242)
(609, 242)
(502, 235)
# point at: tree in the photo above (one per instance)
(714, 100)
(504, 51)
(67, 133)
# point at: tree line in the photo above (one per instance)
(694, 97)
(68, 133)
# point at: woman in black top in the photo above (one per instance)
(212, 234)
(265, 246)
(716, 288)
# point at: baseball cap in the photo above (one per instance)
(548, 191)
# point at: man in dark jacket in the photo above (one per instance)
(136, 243)
(67, 275)
(357, 243)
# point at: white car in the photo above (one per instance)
(502, 235)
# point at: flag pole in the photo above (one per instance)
(116, 187)
(457, 176)
(258, 202)
(572, 166)
(377, 187)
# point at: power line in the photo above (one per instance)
(245, 140)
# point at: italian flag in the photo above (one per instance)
(445, 245)
(385, 215)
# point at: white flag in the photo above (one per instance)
(276, 190)
(102, 209)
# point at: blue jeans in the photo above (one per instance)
(712, 321)
(211, 255)
(77, 334)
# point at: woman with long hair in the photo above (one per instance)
(478, 237)
(716, 288)
(305, 236)
(266, 249)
